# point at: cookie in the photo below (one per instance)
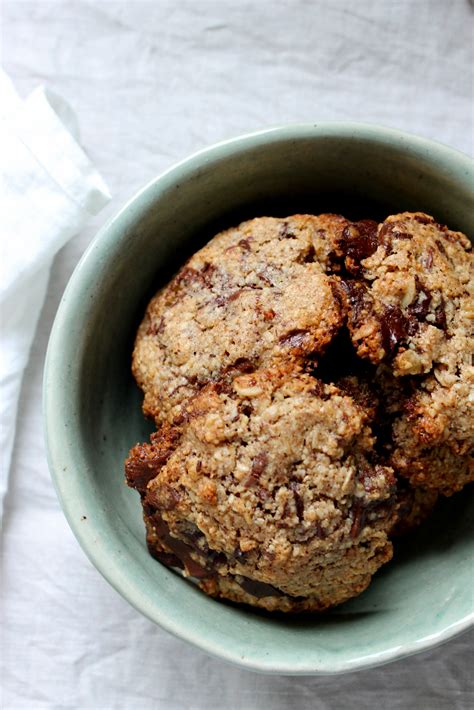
(254, 295)
(266, 490)
(409, 297)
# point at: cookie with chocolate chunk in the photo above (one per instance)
(409, 298)
(254, 295)
(267, 491)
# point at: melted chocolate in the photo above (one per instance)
(423, 219)
(421, 305)
(258, 589)
(357, 297)
(359, 241)
(242, 364)
(180, 555)
(295, 338)
(394, 328)
(166, 558)
(179, 548)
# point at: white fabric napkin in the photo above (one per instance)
(48, 189)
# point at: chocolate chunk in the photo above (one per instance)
(146, 460)
(358, 520)
(207, 270)
(419, 309)
(258, 589)
(197, 540)
(427, 259)
(394, 328)
(421, 305)
(356, 297)
(440, 316)
(308, 256)
(359, 241)
(263, 494)
(166, 558)
(169, 497)
(243, 364)
(390, 231)
(317, 532)
(216, 558)
(139, 472)
(318, 388)
(236, 294)
(259, 465)
(423, 219)
(182, 416)
(192, 533)
(179, 549)
(295, 338)
(440, 246)
(286, 231)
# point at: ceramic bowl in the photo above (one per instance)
(92, 406)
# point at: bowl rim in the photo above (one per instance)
(98, 548)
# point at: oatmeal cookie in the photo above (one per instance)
(266, 490)
(409, 297)
(254, 295)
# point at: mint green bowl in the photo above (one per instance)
(92, 406)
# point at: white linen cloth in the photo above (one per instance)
(152, 82)
(48, 188)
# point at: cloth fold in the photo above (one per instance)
(48, 189)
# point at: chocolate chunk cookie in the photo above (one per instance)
(266, 490)
(254, 295)
(409, 297)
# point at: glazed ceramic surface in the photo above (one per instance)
(93, 408)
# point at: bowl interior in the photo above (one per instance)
(93, 408)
